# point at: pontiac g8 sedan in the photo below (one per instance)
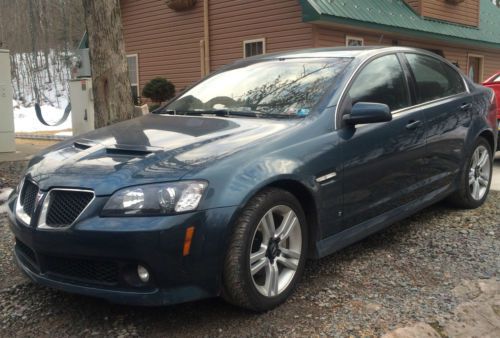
(229, 188)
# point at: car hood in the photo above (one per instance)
(149, 149)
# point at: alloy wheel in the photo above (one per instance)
(276, 250)
(479, 173)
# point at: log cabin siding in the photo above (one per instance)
(234, 21)
(465, 13)
(167, 42)
(335, 36)
(415, 5)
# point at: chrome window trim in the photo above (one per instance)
(427, 103)
(395, 52)
(46, 203)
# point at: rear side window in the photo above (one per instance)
(435, 79)
(381, 81)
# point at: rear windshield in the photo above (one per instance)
(276, 87)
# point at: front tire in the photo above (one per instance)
(475, 179)
(267, 251)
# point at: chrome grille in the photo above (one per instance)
(64, 206)
(28, 197)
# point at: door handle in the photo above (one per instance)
(466, 106)
(412, 125)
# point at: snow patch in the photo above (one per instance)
(53, 95)
(25, 119)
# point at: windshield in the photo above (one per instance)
(278, 87)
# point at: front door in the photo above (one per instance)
(382, 161)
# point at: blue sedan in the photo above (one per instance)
(228, 189)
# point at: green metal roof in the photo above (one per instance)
(397, 17)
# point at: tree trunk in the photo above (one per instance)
(110, 81)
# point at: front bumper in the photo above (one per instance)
(97, 256)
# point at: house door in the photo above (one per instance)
(474, 68)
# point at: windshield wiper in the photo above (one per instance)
(218, 112)
(228, 112)
(223, 113)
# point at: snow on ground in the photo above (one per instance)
(25, 119)
(53, 95)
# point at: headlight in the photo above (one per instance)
(155, 199)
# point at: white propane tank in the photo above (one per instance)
(7, 135)
(82, 105)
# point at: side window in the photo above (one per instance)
(381, 81)
(435, 79)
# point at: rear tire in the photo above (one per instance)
(267, 251)
(475, 178)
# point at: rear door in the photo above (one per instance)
(443, 98)
(382, 161)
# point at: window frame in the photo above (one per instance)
(246, 42)
(414, 80)
(136, 72)
(354, 38)
(403, 70)
(345, 92)
(410, 80)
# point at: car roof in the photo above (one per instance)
(352, 52)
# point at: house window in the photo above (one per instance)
(254, 47)
(133, 75)
(354, 41)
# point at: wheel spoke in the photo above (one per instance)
(472, 177)
(289, 222)
(476, 190)
(475, 158)
(288, 262)
(272, 279)
(254, 257)
(483, 159)
(268, 225)
(483, 181)
(290, 253)
(259, 265)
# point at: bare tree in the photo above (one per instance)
(110, 81)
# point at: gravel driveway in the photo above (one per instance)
(400, 276)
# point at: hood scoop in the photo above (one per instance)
(117, 149)
(129, 150)
(83, 144)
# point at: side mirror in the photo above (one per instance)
(368, 112)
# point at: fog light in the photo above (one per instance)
(143, 273)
